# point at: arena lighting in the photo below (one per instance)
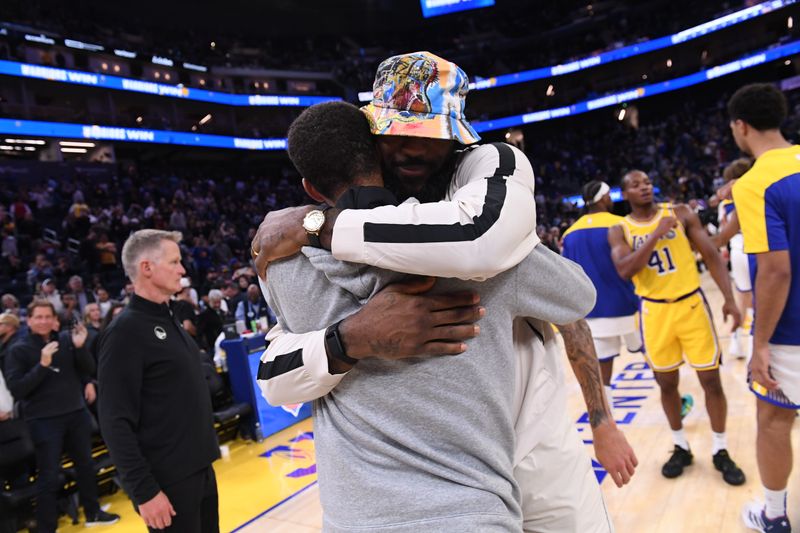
(29, 148)
(643, 91)
(669, 63)
(27, 70)
(76, 144)
(192, 66)
(74, 150)
(125, 53)
(39, 39)
(158, 60)
(550, 90)
(434, 8)
(4, 147)
(621, 115)
(72, 43)
(625, 52)
(25, 141)
(789, 22)
(205, 119)
(63, 130)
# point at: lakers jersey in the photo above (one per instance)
(767, 200)
(586, 243)
(671, 271)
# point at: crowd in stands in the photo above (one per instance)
(56, 230)
(61, 239)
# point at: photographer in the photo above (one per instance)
(49, 374)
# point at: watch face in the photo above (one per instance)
(313, 221)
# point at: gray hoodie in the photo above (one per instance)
(423, 444)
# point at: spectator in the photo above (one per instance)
(70, 314)
(40, 270)
(49, 292)
(9, 334)
(106, 253)
(75, 286)
(93, 317)
(11, 305)
(49, 374)
(183, 308)
(253, 309)
(210, 321)
(103, 300)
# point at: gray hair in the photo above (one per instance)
(215, 294)
(143, 242)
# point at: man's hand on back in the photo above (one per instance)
(401, 321)
(279, 235)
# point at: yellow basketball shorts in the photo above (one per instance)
(674, 332)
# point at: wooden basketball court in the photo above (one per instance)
(271, 486)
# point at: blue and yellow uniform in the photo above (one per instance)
(767, 199)
(675, 320)
(586, 243)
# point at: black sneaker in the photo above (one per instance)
(102, 518)
(679, 459)
(731, 473)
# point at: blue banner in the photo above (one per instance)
(113, 133)
(700, 30)
(434, 8)
(103, 81)
(642, 92)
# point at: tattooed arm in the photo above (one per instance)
(610, 446)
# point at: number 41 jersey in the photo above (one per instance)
(671, 271)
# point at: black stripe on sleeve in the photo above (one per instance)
(280, 365)
(457, 232)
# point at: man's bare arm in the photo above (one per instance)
(581, 354)
(610, 445)
(729, 229)
(773, 279)
(713, 259)
(629, 261)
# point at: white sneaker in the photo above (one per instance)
(754, 518)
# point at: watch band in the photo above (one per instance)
(334, 346)
(313, 240)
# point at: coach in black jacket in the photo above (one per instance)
(49, 375)
(155, 409)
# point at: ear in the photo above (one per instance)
(145, 268)
(313, 192)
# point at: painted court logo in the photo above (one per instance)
(292, 408)
(161, 334)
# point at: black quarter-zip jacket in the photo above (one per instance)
(155, 406)
(52, 391)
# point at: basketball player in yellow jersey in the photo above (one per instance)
(652, 247)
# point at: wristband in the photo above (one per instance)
(334, 346)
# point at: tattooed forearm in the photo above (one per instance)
(582, 357)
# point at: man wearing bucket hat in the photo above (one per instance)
(485, 226)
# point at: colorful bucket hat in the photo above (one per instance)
(420, 95)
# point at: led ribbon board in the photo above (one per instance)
(113, 133)
(644, 91)
(711, 26)
(625, 52)
(103, 81)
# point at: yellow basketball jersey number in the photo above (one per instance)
(661, 261)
